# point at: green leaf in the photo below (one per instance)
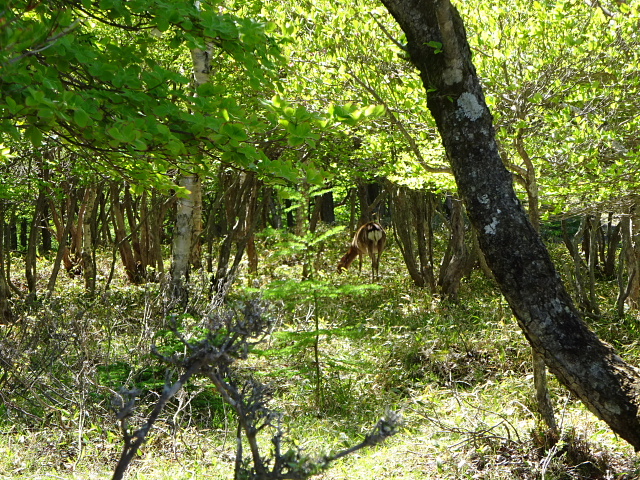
(115, 133)
(234, 131)
(140, 145)
(296, 141)
(162, 24)
(437, 46)
(208, 89)
(35, 136)
(13, 106)
(81, 118)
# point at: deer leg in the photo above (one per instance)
(375, 265)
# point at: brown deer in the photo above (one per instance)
(370, 239)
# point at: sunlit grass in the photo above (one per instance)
(459, 372)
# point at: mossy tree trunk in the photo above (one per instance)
(521, 264)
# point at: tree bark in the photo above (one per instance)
(405, 226)
(460, 261)
(30, 257)
(87, 255)
(610, 243)
(521, 264)
(130, 209)
(134, 271)
(189, 209)
(633, 258)
(67, 210)
(62, 234)
(182, 239)
(240, 202)
(6, 315)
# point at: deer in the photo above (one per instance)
(370, 239)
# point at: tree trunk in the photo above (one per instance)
(62, 234)
(67, 210)
(527, 176)
(625, 285)
(30, 257)
(24, 233)
(45, 233)
(182, 239)
(594, 226)
(611, 240)
(403, 232)
(145, 243)
(12, 233)
(135, 272)
(87, 255)
(196, 232)
(6, 315)
(130, 209)
(460, 259)
(633, 258)
(412, 218)
(241, 193)
(159, 208)
(514, 251)
(327, 212)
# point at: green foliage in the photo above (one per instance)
(126, 97)
(562, 79)
(303, 93)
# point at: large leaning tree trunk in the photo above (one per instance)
(521, 264)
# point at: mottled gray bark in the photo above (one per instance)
(522, 267)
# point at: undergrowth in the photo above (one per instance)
(336, 358)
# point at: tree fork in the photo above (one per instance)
(521, 264)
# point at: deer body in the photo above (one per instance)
(370, 239)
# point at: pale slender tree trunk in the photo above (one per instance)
(522, 266)
(185, 246)
(182, 238)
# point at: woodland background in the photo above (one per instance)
(178, 174)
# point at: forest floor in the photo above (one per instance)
(337, 359)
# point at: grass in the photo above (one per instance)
(458, 372)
